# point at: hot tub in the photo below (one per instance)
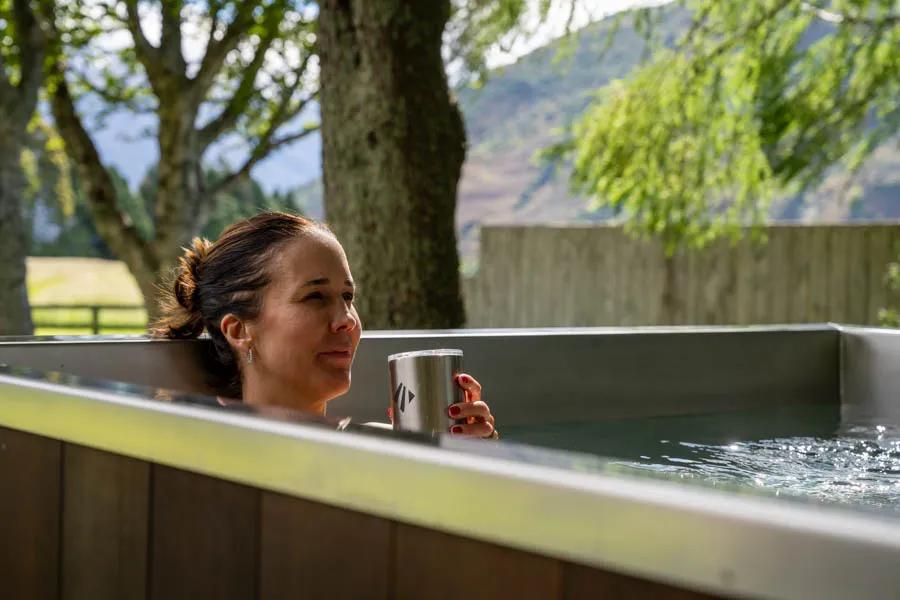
(123, 489)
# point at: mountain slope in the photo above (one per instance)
(519, 112)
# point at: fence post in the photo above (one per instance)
(95, 319)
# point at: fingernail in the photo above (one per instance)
(455, 410)
(456, 429)
(464, 378)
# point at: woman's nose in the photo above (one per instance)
(344, 320)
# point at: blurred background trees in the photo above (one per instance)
(22, 51)
(248, 81)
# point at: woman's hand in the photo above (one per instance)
(479, 422)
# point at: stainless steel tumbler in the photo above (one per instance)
(422, 387)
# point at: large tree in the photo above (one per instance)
(393, 145)
(206, 72)
(22, 51)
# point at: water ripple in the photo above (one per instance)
(861, 466)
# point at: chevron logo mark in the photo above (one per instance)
(402, 397)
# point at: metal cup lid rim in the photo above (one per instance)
(435, 352)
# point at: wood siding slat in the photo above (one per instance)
(585, 583)
(780, 285)
(801, 264)
(312, 550)
(30, 472)
(435, 565)
(881, 253)
(857, 277)
(205, 537)
(837, 275)
(817, 311)
(105, 517)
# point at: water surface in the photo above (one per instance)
(800, 452)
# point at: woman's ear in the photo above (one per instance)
(237, 332)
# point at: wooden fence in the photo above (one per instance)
(597, 275)
(89, 317)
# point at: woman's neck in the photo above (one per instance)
(261, 393)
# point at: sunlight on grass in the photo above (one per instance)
(83, 281)
(80, 281)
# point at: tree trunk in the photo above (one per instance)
(178, 199)
(178, 192)
(15, 315)
(393, 145)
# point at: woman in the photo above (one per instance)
(275, 294)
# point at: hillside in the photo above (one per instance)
(520, 110)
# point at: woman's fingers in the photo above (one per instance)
(474, 416)
(471, 387)
(479, 422)
(470, 410)
(478, 430)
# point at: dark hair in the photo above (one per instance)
(213, 279)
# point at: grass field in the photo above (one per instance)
(83, 281)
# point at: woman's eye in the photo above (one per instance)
(348, 297)
(314, 296)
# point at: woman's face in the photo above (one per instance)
(306, 334)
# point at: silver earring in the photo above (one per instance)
(249, 356)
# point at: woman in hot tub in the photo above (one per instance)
(275, 294)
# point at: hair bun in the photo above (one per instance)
(190, 268)
(179, 304)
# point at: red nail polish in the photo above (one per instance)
(456, 429)
(455, 410)
(464, 378)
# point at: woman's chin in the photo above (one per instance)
(336, 386)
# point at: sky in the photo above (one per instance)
(131, 154)
(586, 11)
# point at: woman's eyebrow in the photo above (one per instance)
(325, 281)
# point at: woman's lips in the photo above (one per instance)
(337, 356)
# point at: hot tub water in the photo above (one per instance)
(861, 466)
(802, 452)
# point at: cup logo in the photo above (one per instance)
(403, 396)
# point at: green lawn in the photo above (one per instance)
(83, 281)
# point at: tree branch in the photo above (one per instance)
(698, 24)
(33, 47)
(217, 51)
(115, 226)
(734, 39)
(170, 40)
(147, 53)
(108, 96)
(235, 106)
(6, 88)
(261, 151)
(214, 8)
